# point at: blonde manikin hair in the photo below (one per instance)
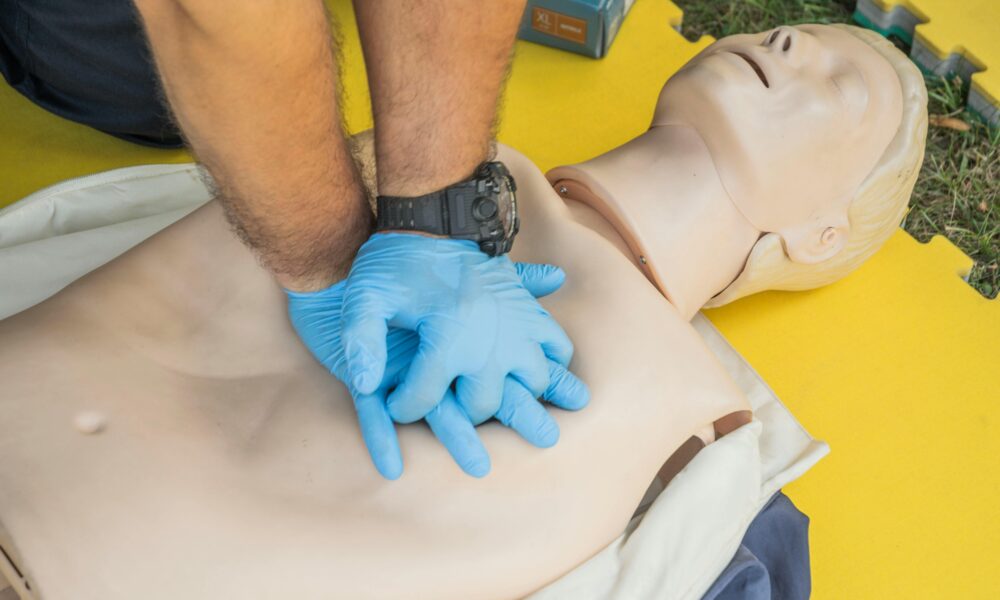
(875, 212)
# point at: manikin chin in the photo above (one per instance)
(780, 160)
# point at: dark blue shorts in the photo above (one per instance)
(87, 61)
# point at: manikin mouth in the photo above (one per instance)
(753, 65)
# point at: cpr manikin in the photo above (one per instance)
(227, 463)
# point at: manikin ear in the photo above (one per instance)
(816, 242)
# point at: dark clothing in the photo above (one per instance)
(87, 61)
(773, 561)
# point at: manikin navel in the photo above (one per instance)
(231, 456)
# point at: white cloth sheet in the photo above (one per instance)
(674, 551)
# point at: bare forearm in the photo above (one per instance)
(253, 86)
(436, 70)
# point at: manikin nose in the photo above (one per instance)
(782, 40)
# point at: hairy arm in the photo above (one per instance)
(436, 70)
(254, 88)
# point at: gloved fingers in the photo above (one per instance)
(555, 343)
(565, 389)
(524, 414)
(453, 428)
(424, 385)
(379, 433)
(540, 279)
(479, 395)
(364, 325)
(533, 373)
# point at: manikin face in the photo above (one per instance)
(795, 119)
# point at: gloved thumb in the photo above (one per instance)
(363, 334)
(540, 279)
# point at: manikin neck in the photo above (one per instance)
(663, 196)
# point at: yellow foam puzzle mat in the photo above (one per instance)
(897, 366)
(38, 149)
(947, 37)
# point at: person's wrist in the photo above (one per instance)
(311, 282)
(333, 289)
(331, 265)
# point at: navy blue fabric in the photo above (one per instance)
(773, 561)
(87, 61)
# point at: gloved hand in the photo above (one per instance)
(476, 321)
(316, 316)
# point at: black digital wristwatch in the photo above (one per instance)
(482, 208)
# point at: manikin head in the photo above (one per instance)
(817, 133)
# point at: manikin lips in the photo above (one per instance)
(753, 65)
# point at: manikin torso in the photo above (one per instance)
(231, 464)
(232, 456)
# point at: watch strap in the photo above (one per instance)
(446, 212)
(427, 213)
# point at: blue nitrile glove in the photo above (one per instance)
(316, 318)
(477, 323)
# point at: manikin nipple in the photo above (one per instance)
(90, 422)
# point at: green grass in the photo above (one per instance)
(958, 192)
(719, 18)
